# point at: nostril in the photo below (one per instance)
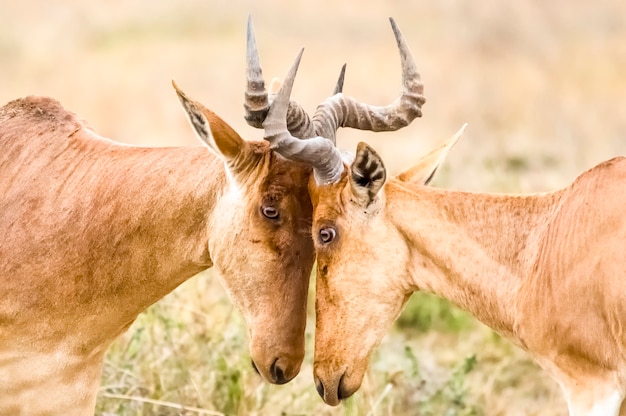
(341, 391)
(254, 366)
(319, 387)
(277, 373)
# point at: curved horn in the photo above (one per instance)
(341, 111)
(319, 152)
(256, 99)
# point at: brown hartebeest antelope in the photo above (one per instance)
(95, 231)
(544, 270)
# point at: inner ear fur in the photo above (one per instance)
(210, 128)
(367, 174)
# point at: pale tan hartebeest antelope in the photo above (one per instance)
(544, 270)
(95, 231)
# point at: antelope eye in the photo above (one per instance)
(269, 212)
(327, 234)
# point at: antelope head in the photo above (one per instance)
(260, 243)
(362, 270)
(346, 214)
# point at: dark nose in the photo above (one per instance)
(328, 395)
(278, 375)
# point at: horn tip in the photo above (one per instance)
(296, 64)
(394, 25)
(340, 81)
(250, 38)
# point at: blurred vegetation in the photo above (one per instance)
(425, 312)
(541, 85)
(186, 357)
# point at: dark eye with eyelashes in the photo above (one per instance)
(326, 235)
(269, 212)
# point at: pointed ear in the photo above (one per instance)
(367, 174)
(424, 171)
(211, 129)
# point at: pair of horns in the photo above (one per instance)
(296, 136)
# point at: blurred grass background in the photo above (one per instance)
(541, 84)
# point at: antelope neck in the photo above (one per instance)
(470, 248)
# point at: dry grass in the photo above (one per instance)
(541, 85)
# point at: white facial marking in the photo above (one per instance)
(235, 191)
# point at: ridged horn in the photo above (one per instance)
(341, 111)
(319, 152)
